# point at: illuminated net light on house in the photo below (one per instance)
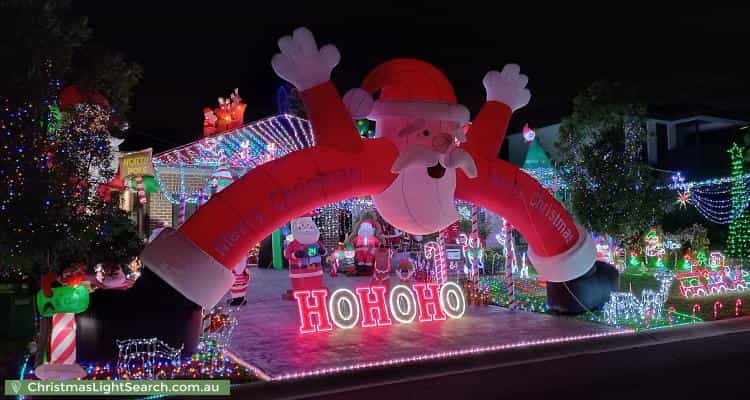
(240, 149)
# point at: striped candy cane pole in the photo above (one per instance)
(183, 203)
(475, 233)
(475, 220)
(63, 339)
(139, 188)
(432, 251)
(441, 270)
(509, 261)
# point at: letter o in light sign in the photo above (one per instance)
(341, 317)
(452, 300)
(403, 304)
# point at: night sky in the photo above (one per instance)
(695, 58)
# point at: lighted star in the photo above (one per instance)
(735, 151)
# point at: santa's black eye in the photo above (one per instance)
(425, 133)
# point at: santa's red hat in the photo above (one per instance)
(308, 214)
(207, 110)
(408, 87)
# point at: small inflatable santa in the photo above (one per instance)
(305, 254)
(381, 272)
(239, 287)
(366, 244)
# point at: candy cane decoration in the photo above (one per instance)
(717, 306)
(509, 266)
(475, 220)
(696, 308)
(63, 339)
(670, 314)
(441, 272)
(738, 307)
(649, 314)
(140, 189)
(432, 251)
(182, 208)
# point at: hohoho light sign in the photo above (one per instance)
(374, 306)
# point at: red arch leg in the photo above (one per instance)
(558, 249)
(196, 261)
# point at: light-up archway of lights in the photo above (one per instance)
(240, 150)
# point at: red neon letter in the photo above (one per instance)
(428, 295)
(307, 308)
(372, 299)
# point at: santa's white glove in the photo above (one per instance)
(301, 63)
(508, 87)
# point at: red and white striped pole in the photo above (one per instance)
(182, 208)
(441, 271)
(139, 188)
(509, 261)
(63, 339)
(475, 234)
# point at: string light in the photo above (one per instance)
(738, 242)
(444, 354)
(240, 149)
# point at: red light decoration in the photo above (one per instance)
(428, 298)
(738, 307)
(372, 301)
(344, 308)
(308, 309)
(717, 306)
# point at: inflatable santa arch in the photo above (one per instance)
(419, 162)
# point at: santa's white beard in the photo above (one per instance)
(417, 203)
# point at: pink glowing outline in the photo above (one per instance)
(429, 356)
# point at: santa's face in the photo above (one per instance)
(420, 200)
(305, 231)
(366, 230)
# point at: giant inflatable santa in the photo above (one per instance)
(420, 161)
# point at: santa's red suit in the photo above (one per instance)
(239, 287)
(305, 264)
(365, 250)
(381, 273)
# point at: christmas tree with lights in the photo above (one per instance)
(56, 206)
(738, 242)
